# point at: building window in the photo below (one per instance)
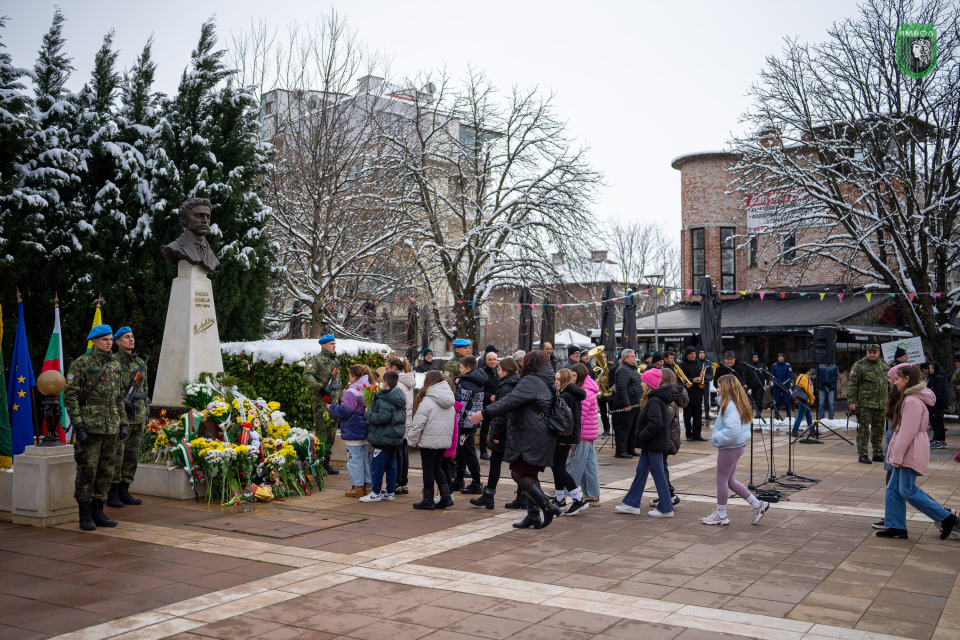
(698, 247)
(789, 253)
(754, 251)
(728, 259)
(269, 108)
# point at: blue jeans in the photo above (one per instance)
(802, 411)
(358, 465)
(828, 397)
(384, 461)
(901, 489)
(582, 467)
(650, 463)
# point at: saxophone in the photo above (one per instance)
(601, 372)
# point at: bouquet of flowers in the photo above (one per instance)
(369, 393)
(310, 452)
(197, 394)
(282, 470)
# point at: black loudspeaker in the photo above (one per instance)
(824, 348)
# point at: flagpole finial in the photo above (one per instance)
(19, 299)
(56, 301)
(99, 299)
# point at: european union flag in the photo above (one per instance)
(19, 396)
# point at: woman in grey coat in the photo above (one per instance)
(432, 430)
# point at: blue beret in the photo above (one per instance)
(461, 342)
(99, 331)
(121, 331)
(327, 338)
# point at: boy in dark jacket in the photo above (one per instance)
(470, 391)
(386, 417)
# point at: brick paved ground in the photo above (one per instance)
(325, 566)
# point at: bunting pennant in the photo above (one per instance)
(743, 293)
(892, 295)
(840, 297)
(911, 296)
(936, 295)
(803, 293)
(659, 289)
(822, 295)
(869, 295)
(762, 293)
(783, 295)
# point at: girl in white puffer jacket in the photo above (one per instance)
(432, 431)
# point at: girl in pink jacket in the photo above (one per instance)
(909, 453)
(582, 465)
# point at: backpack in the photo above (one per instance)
(560, 418)
(674, 429)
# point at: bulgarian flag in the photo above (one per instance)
(54, 361)
(97, 321)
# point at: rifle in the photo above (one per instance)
(131, 396)
(332, 385)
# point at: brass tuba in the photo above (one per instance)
(601, 372)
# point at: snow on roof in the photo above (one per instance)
(296, 351)
(684, 156)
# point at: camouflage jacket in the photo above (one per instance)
(130, 364)
(317, 374)
(956, 377)
(452, 368)
(868, 386)
(103, 410)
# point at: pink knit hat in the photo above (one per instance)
(892, 373)
(652, 377)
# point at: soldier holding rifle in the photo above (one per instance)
(134, 384)
(320, 376)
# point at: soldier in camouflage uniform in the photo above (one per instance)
(867, 391)
(94, 401)
(128, 451)
(316, 376)
(461, 348)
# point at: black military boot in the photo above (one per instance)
(446, 498)
(532, 518)
(124, 494)
(86, 516)
(536, 497)
(486, 500)
(325, 465)
(427, 504)
(113, 496)
(99, 518)
(519, 503)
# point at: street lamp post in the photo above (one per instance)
(656, 302)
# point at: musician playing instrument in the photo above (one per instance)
(690, 373)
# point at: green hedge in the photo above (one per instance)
(283, 383)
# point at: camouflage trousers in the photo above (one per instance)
(96, 457)
(128, 455)
(324, 430)
(872, 422)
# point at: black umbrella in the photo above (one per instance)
(548, 324)
(608, 321)
(710, 320)
(525, 343)
(425, 333)
(628, 334)
(411, 333)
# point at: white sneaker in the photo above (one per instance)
(759, 511)
(714, 518)
(623, 508)
(656, 514)
(389, 496)
(371, 497)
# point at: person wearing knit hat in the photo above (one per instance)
(490, 349)
(900, 356)
(653, 439)
(656, 360)
(573, 357)
(693, 372)
(426, 362)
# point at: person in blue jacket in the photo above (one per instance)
(782, 373)
(827, 376)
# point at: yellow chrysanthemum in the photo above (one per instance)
(273, 406)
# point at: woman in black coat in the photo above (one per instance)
(572, 396)
(530, 443)
(509, 377)
(653, 438)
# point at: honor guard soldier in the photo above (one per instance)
(867, 391)
(94, 401)
(128, 450)
(321, 369)
(461, 348)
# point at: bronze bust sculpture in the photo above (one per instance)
(192, 244)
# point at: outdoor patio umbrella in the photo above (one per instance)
(548, 324)
(525, 342)
(710, 320)
(628, 335)
(411, 334)
(425, 332)
(608, 322)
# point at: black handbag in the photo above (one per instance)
(560, 418)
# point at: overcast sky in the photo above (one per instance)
(640, 83)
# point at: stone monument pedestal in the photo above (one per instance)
(43, 486)
(191, 340)
(159, 480)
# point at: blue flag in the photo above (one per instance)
(19, 396)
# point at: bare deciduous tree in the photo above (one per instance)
(863, 161)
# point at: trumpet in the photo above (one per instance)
(682, 376)
(703, 371)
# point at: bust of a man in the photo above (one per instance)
(192, 244)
